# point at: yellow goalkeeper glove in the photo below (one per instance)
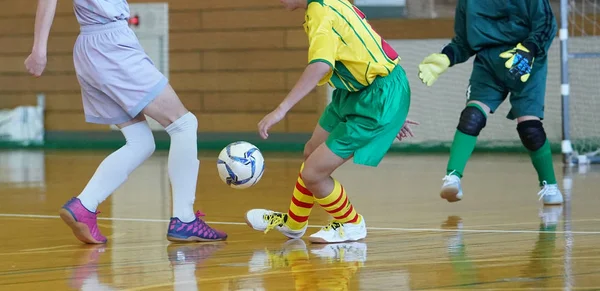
(432, 67)
(519, 62)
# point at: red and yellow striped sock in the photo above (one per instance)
(300, 206)
(338, 205)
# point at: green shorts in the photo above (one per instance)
(491, 85)
(365, 123)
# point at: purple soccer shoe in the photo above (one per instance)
(195, 231)
(82, 221)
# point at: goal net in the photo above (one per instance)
(438, 107)
(580, 39)
(23, 125)
(572, 104)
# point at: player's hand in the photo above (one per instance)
(520, 61)
(432, 67)
(269, 120)
(405, 131)
(36, 63)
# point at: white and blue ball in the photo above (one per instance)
(240, 165)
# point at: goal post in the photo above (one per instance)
(579, 37)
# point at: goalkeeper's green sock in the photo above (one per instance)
(461, 150)
(542, 162)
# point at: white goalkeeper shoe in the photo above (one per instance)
(550, 194)
(451, 189)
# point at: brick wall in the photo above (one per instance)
(217, 50)
(217, 64)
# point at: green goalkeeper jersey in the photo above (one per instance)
(482, 24)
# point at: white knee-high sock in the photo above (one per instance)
(183, 165)
(114, 169)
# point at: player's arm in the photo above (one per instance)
(322, 45)
(543, 27)
(520, 60)
(308, 81)
(36, 62)
(321, 57)
(459, 50)
(456, 52)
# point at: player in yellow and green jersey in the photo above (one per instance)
(368, 111)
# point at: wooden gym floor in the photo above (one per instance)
(490, 240)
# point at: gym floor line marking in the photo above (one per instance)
(394, 229)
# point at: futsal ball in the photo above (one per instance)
(240, 165)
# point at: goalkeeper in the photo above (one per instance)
(510, 39)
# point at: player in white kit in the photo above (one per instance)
(119, 85)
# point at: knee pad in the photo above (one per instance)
(532, 134)
(472, 121)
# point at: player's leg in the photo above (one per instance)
(183, 166)
(139, 87)
(347, 225)
(366, 135)
(80, 212)
(527, 102)
(302, 200)
(115, 168)
(484, 95)
(293, 224)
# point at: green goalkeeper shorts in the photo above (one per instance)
(364, 124)
(489, 84)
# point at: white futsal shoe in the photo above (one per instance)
(337, 232)
(451, 189)
(550, 194)
(265, 220)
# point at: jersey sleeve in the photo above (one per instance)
(322, 42)
(459, 50)
(543, 27)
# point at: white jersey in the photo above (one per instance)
(90, 12)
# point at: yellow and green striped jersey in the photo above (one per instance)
(339, 35)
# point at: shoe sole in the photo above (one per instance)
(193, 239)
(450, 194)
(80, 230)
(318, 240)
(555, 203)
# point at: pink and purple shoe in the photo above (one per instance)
(82, 221)
(195, 231)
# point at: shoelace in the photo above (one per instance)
(335, 226)
(447, 177)
(274, 219)
(546, 191)
(200, 214)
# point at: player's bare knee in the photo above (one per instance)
(532, 134)
(472, 120)
(311, 175)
